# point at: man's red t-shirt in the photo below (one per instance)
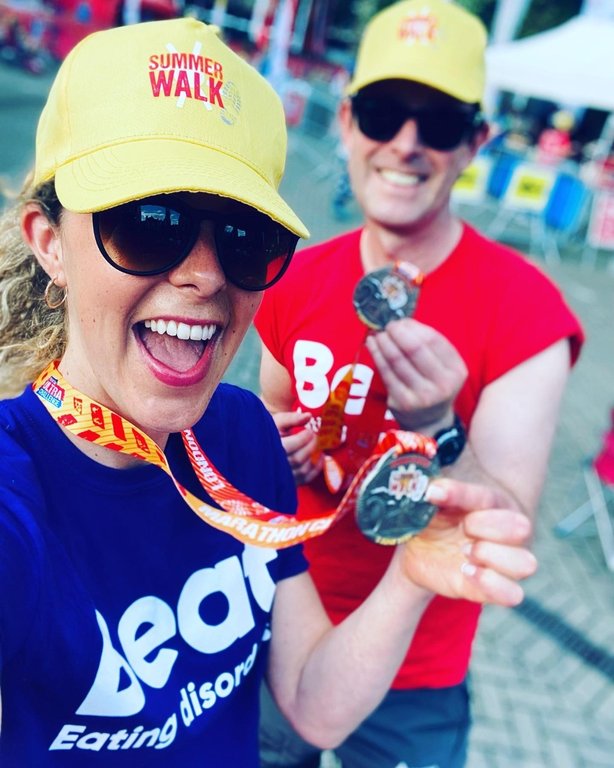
(497, 309)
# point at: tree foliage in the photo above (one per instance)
(544, 14)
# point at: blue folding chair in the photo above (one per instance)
(524, 201)
(565, 212)
(501, 173)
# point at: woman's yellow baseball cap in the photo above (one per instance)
(162, 107)
(433, 42)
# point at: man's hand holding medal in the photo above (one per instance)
(477, 528)
(473, 547)
(423, 374)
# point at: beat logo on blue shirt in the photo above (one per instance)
(146, 662)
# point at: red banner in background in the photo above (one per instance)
(53, 27)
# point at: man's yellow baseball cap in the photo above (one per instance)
(433, 42)
(162, 107)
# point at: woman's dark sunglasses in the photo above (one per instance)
(441, 128)
(151, 236)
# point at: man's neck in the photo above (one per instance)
(425, 246)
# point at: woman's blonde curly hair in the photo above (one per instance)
(31, 334)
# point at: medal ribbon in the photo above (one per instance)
(240, 516)
(329, 435)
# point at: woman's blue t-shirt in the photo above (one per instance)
(131, 632)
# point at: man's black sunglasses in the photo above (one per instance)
(442, 128)
(151, 236)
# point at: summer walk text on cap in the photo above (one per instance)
(161, 107)
(433, 42)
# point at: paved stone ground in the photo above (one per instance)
(542, 674)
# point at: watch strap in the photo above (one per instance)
(450, 442)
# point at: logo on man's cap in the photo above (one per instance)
(419, 28)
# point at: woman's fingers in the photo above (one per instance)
(506, 526)
(475, 547)
(450, 494)
(515, 562)
(484, 585)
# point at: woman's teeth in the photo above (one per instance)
(181, 330)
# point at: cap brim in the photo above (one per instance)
(462, 94)
(120, 173)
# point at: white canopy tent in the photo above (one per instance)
(572, 64)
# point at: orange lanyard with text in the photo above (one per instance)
(240, 516)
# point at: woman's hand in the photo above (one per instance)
(473, 548)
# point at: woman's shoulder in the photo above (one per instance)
(27, 441)
(20, 432)
(16, 432)
(21, 494)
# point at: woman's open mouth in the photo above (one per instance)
(176, 345)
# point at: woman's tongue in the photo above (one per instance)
(179, 354)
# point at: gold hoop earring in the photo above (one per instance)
(57, 301)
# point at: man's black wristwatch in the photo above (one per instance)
(450, 442)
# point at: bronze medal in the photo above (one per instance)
(386, 294)
(390, 507)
